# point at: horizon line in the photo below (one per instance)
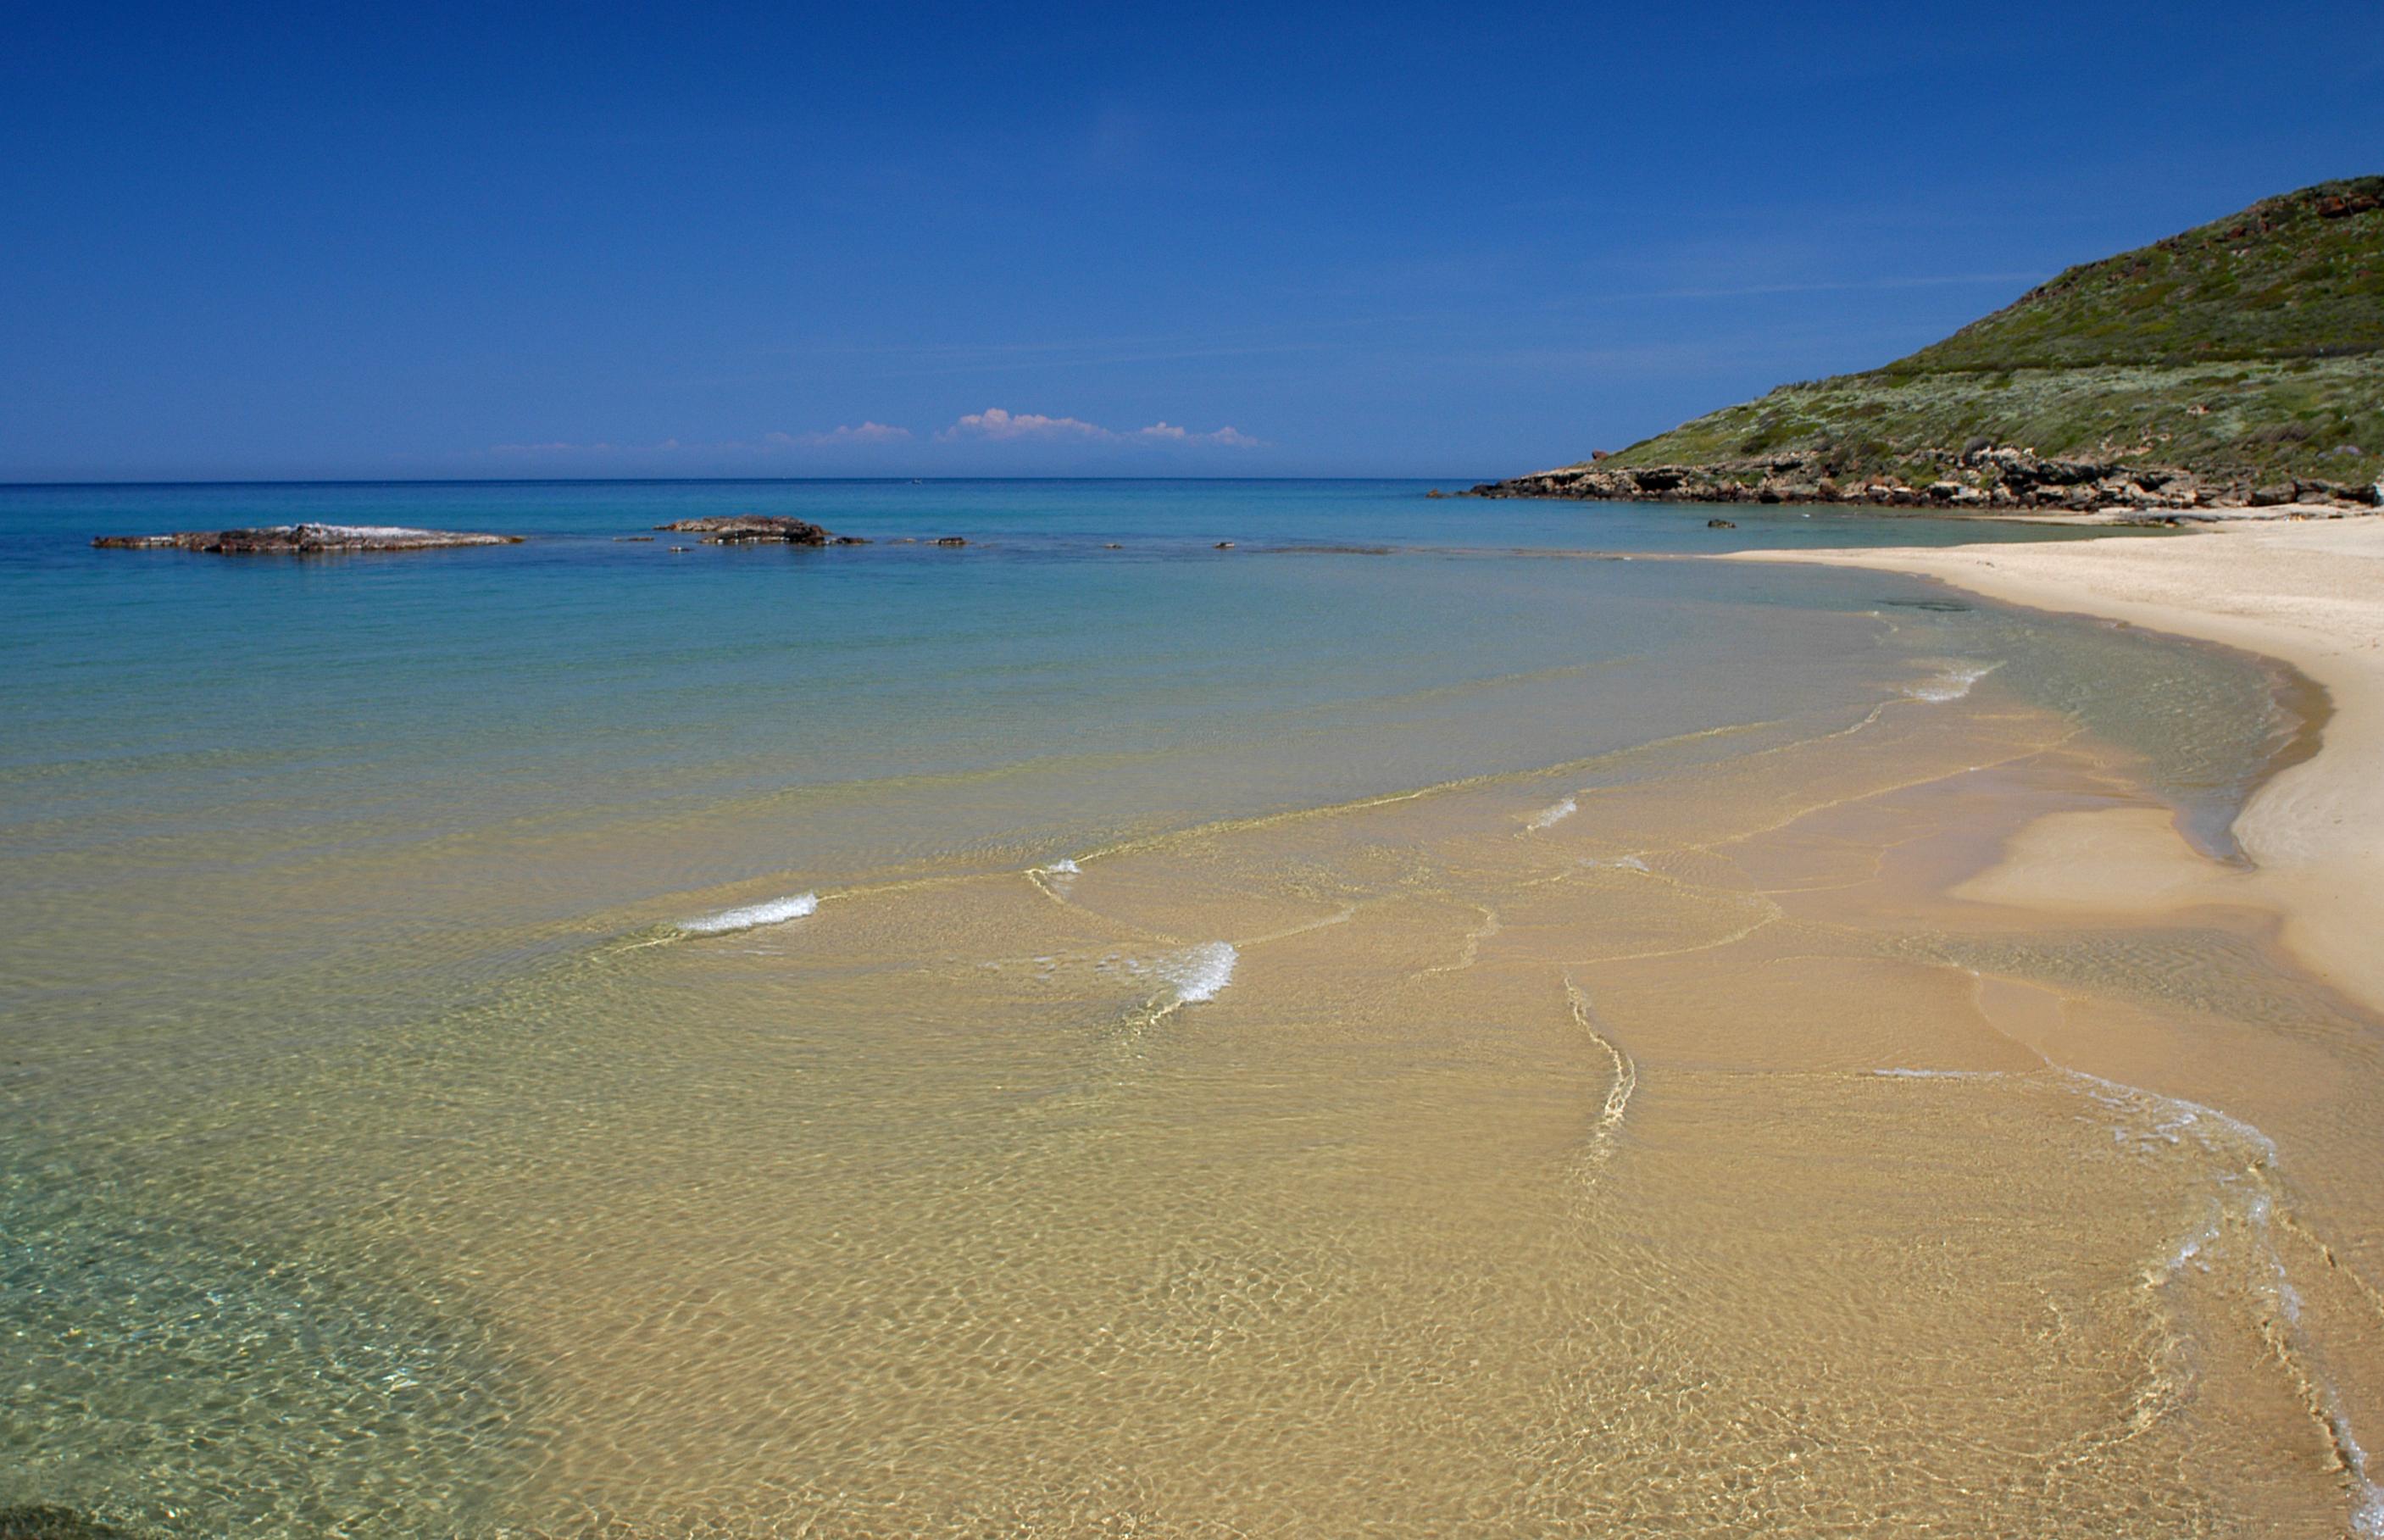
(653, 480)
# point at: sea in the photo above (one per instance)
(1211, 1007)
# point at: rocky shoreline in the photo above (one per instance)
(1983, 478)
(301, 540)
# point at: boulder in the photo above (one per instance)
(2333, 491)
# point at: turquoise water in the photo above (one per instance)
(260, 814)
(485, 744)
(240, 774)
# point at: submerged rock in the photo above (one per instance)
(303, 539)
(757, 529)
(1719, 524)
(55, 1521)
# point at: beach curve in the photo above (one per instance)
(2308, 594)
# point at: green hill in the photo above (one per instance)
(2241, 361)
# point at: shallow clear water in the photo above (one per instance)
(409, 1025)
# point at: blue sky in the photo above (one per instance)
(1244, 239)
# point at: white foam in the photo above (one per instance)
(768, 913)
(1198, 973)
(1560, 812)
(1063, 867)
(365, 531)
(1941, 1074)
(1952, 682)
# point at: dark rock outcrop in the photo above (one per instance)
(1983, 480)
(949, 540)
(757, 529)
(301, 540)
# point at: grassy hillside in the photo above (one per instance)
(2291, 277)
(2249, 352)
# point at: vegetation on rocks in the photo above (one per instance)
(2241, 361)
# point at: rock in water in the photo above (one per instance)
(52, 1522)
(303, 539)
(949, 540)
(757, 529)
(1719, 524)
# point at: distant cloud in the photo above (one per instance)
(994, 423)
(844, 435)
(1167, 432)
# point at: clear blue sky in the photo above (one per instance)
(846, 239)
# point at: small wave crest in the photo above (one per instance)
(1557, 813)
(1198, 973)
(1902, 1074)
(770, 912)
(368, 531)
(1063, 867)
(1952, 682)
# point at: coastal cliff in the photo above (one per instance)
(2238, 365)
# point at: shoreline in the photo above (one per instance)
(2308, 594)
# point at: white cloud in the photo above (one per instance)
(994, 423)
(1167, 432)
(846, 433)
(866, 433)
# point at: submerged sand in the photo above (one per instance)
(1776, 1129)
(1650, 1145)
(2309, 593)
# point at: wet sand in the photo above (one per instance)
(2309, 593)
(1665, 1143)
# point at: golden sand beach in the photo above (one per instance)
(2311, 593)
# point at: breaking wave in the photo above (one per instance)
(1548, 815)
(1198, 973)
(1952, 682)
(770, 912)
